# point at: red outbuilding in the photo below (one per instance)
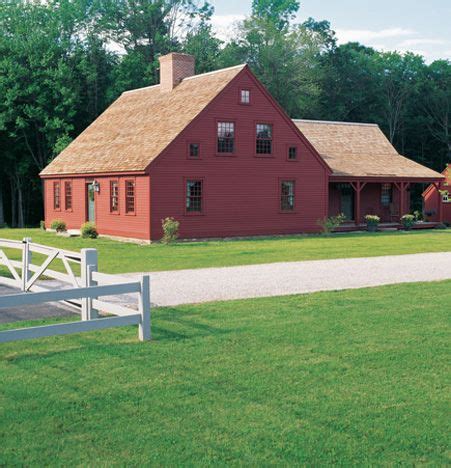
(216, 152)
(437, 199)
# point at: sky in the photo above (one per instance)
(423, 27)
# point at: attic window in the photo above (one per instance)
(194, 150)
(445, 197)
(245, 96)
(292, 153)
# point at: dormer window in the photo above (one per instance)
(245, 96)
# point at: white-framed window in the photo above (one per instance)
(245, 96)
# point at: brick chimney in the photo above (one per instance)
(174, 67)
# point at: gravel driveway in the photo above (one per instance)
(170, 288)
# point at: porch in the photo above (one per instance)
(351, 227)
(389, 199)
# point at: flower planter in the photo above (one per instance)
(371, 227)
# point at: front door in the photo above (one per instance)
(347, 201)
(90, 201)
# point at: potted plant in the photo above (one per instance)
(407, 221)
(372, 222)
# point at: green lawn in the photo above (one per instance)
(350, 378)
(119, 257)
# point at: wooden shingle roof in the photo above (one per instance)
(360, 150)
(139, 125)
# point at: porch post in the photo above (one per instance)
(357, 203)
(440, 203)
(402, 197)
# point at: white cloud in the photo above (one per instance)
(367, 35)
(225, 25)
(421, 41)
(399, 39)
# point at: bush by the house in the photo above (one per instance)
(418, 215)
(407, 221)
(170, 230)
(58, 225)
(331, 223)
(42, 225)
(89, 231)
(372, 222)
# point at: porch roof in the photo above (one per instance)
(361, 150)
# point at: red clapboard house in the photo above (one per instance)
(437, 199)
(216, 152)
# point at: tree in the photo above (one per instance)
(283, 55)
(436, 103)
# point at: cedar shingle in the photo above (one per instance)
(139, 125)
(360, 150)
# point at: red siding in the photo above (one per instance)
(135, 225)
(241, 192)
(433, 203)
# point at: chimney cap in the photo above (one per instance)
(176, 55)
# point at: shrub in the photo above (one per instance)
(372, 221)
(42, 225)
(418, 215)
(59, 225)
(330, 224)
(407, 221)
(170, 230)
(89, 231)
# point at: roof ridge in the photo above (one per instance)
(241, 65)
(188, 78)
(334, 122)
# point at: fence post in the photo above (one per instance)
(26, 260)
(89, 264)
(144, 309)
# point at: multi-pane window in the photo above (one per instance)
(226, 137)
(292, 153)
(264, 139)
(386, 194)
(287, 195)
(56, 195)
(114, 196)
(68, 195)
(445, 197)
(194, 196)
(129, 196)
(194, 150)
(245, 96)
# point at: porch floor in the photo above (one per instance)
(350, 226)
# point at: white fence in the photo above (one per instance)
(83, 293)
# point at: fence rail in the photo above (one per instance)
(82, 294)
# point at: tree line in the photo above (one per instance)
(62, 62)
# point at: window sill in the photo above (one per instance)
(194, 213)
(131, 213)
(115, 213)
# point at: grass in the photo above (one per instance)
(120, 257)
(351, 378)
